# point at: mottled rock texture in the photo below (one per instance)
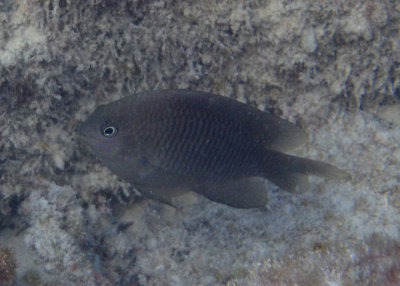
(332, 67)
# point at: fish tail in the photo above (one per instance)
(291, 172)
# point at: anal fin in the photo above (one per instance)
(290, 182)
(242, 193)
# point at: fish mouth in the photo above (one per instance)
(83, 136)
(83, 139)
(84, 145)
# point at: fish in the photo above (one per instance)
(168, 142)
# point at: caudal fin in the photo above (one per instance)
(291, 173)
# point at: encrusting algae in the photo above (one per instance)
(7, 265)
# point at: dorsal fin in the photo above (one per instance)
(282, 135)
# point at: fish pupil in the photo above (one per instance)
(109, 131)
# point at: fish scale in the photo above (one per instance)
(189, 134)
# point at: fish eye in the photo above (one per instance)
(109, 131)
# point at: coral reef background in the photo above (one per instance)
(332, 67)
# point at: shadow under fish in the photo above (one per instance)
(167, 142)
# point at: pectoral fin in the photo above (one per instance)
(163, 186)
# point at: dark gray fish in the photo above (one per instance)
(170, 141)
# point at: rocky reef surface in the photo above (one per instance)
(333, 67)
